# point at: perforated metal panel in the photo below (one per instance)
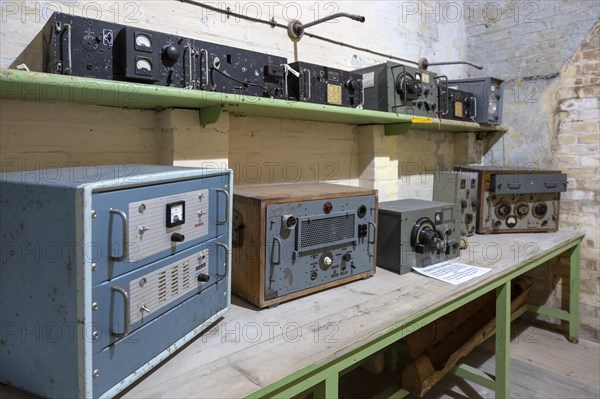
(333, 229)
(155, 290)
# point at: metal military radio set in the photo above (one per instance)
(91, 48)
(173, 243)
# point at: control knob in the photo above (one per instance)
(177, 237)
(172, 52)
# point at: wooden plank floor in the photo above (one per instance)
(543, 365)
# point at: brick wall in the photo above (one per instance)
(576, 151)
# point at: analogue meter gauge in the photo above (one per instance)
(143, 41)
(175, 214)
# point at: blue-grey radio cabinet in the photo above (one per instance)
(106, 271)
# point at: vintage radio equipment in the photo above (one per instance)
(517, 200)
(402, 89)
(417, 233)
(457, 105)
(96, 49)
(489, 95)
(106, 271)
(296, 239)
(460, 188)
(324, 85)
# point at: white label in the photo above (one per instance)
(425, 78)
(369, 80)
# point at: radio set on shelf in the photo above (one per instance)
(460, 188)
(291, 240)
(324, 85)
(139, 255)
(457, 105)
(96, 49)
(401, 89)
(514, 200)
(489, 97)
(417, 233)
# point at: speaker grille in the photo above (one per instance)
(320, 232)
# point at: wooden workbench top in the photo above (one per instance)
(251, 349)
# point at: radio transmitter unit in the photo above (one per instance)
(296, 239)
(90, 48)
(417, 233)
(324, 85)
(457, 105)
(489, 95)
(106, 271)
(401, 89)
(517, 200)
(460, 188)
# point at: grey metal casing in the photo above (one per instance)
(482, 90)
(64, 328)
(295, 258)
(397, 219)
(460, 188)
(379, 83)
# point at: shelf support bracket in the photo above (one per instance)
(397, 128)
(210, 114)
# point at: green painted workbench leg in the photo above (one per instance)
(574, 282)
(328, 389)
(503, 340)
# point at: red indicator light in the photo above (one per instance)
(328, 207)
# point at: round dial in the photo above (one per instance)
(522, 209)
(502, 210)
(143, 41)
(540, 209)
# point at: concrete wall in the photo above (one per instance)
(527, 44)
(547, 51)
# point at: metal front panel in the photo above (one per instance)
(489, 93)
(151, 214)
(521, 212)
(321, 248)
(528, 183)
(325, 85)
(129, 354)
(200, 195)
(154, 289)
(381, 94)
(395, 239)
(460, 188)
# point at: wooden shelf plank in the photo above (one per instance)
(43, 87)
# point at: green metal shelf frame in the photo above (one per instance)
(323, 379)
(43, 87)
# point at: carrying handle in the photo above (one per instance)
(69, 69)
(206, 69)
(444, 78)
(474, 107)
(189, 77)
(273, 261)
(126, 315)
(226, 248)
(307, 85)
(362, 95)
(371, 241)
(222, 222)
(125, 234)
